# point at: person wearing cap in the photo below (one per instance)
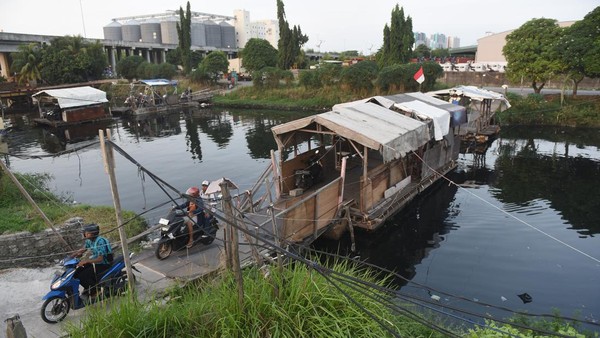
(203, 194)
(96, 262)
(193, 207)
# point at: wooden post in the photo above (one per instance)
(108, 158)
(33, 204)
(276, 177)
(232, 226)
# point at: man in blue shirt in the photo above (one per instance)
(98, 260)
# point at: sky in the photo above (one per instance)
(331, 25)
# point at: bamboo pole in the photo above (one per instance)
(34, 205)
(109, 162)
(232, 226)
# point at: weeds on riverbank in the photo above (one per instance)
(294, 97)
(552, 110)
(294, 302)
(16, 214)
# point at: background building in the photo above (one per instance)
(245, 29)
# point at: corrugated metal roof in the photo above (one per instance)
(369, 124)
(472, 92)
(159, 82)
(74, 97)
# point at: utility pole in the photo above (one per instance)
(33, 204)
(232, 235)
(109, 166)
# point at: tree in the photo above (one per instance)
(128, 66)
(184, 32)
(579, 48)
(290, 41)
(398, 39)
(359, 77)
(27, 63)
(531, 53)
(258, 54)
(71, 59)
(422, 51)
(214, 64)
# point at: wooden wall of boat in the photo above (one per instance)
(380, 180)
(309, 215)
(299, 162)
(80, 114)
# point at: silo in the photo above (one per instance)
(168, 30)
(213, 34)
(227, 35)
(131, 31)
(112, 31)
(198, 33)
(150, 30)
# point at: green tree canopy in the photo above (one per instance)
(359, 77)
(422, 51)
(579, 48)
(398, 39)
(27, 63)
(531, 53)
(214, 64)
(290, 41)
(184, 33)
(71, 59)
(258, 54)
(128, 66)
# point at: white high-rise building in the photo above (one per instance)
(245, 29)
(453, 42)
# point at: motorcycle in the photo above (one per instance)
(64, 292)
(174, 233)
(306, 178)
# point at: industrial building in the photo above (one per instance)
(207, 30)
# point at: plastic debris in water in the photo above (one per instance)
(503, 298)
(436, 298)
(525, 297)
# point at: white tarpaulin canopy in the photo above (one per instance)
(74, 97)
(440, 117)
(472, 92)
(367, 123)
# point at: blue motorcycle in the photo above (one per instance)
(64, 292)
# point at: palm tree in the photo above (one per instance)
(27, 63)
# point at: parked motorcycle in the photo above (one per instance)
(306, 178)
(64, 292)
(174, 234)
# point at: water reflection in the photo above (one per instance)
(149, 126)
(568, 181)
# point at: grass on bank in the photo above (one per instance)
(16, 214)
(552, 110)
(294, 302)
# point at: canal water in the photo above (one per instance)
(515, 228)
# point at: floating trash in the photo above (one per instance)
(525, 297)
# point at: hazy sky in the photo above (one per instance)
(337, 25)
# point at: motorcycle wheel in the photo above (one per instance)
(55, 309)
(207, 240)
(120, 284)
(163, 250)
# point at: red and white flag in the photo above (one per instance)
(419, 76)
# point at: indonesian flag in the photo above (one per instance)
(419, 77)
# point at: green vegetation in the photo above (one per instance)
(398, 39)
(184, 33)
(16, 214)
(211, 67)
(540, 50)
(548, 110)
(294, 302)
(258, 54)
(290, 42)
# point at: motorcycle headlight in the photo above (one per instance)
(60, 280)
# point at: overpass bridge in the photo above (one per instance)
(116, 50)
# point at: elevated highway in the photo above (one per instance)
(116, 50)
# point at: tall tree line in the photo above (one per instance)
(290, 41)
(398, 39)
(184, 27)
